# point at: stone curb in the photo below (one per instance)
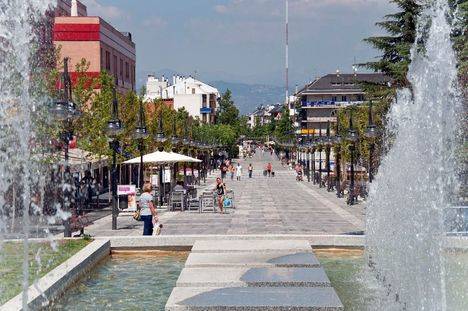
(57, 281)
(187, 241)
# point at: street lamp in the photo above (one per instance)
(66, 111)
(140, 134)
(114, 128)
(313, 149)
(337, 140)
(320, 149)
(328, 144)
(371, 134)
(160, 139)
(352, 138)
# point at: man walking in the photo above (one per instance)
(250, 170)
(269, 168)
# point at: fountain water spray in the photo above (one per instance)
(417, 177)
(19, 169)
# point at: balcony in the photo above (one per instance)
(329, 104)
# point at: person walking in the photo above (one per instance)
(239, 171)
(232, 170)
(220, 192)
(147, 209)
(269, 168)
(250, 170)
(224, 168)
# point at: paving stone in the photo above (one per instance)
(279, 259)
(254, 298)
(255, 277)
(210, 246)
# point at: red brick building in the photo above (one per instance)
(107, 49)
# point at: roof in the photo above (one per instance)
(343, 82)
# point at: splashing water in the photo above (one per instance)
(19, 166)
(417, 178)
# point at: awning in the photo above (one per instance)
(162, 157)
(81, 160)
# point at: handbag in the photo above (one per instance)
(137, 214)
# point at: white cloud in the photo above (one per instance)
(154, 22)
(104, 11)
(221, 9)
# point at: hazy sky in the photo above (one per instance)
(243, 40)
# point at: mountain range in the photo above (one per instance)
(246, 96)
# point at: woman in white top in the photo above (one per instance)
(239, 172)
(147, 209)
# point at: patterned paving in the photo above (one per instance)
(277, 205)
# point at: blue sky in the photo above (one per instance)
(243, 40)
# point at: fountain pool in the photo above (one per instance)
(122, 282)
(347, 273)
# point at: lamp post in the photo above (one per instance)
(328, 144)
(160, 139)
(308, 155)
(337, 142)
(320, 149)
(114, 128)
(65, 111)
(141, 133)
(371, 134)
(313, 148)
(352, 139)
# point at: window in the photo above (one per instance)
(108, 61)
(204, 100)
(193, 91)
(360, 97)
(334, 99)
(127, 70)
(115, 65)
(344, 98)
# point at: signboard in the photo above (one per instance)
(126, 189)
(167, 175)
(205, 110)
(130, 192)
(155, 180)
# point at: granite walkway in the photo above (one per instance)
(278, 205)
(253, 275)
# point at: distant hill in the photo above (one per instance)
(249, 96)
(246, 96)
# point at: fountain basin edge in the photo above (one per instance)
(56, 282)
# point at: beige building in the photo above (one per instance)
(320, 99)
(107, 49)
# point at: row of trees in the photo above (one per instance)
(90, 128)
(394, 60)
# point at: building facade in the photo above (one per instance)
(199, 99)
(79, 36)
(320, 100)
(264, 115)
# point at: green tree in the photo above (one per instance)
(284, 128)
(228, 112)
(396, 45)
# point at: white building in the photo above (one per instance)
(264, 114)
(198, 98)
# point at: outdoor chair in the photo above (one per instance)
(177, 201)
(207, 202)
(193, 204)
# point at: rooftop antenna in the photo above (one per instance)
(287, 53)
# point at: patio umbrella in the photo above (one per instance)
(162, 157)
